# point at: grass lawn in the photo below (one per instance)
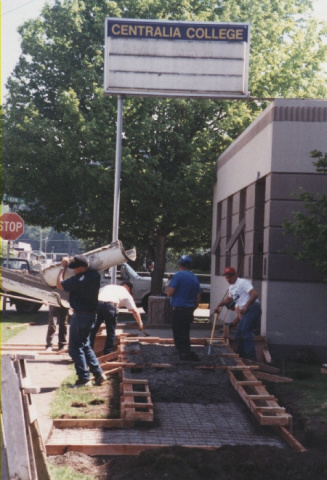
(66, 473)
(13, 322)
(309, 386)
(306, 399)
(86, 402)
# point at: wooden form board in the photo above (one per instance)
(136, 405)
(13, 422)
(109, 449)
(23, 450)
(264, 407)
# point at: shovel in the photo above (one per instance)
(144, 332)
(213, 332)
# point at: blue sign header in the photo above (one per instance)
(177, 30)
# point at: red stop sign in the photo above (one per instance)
(11, 226)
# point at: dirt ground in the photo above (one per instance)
(226, 463)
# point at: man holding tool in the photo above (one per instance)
(111, 298)
(248, 309)
(185, 292)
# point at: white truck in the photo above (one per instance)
(142, 284)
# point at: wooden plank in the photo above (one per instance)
(144, 406)
(228, 355)
(271, 421)
(40, 457)
(26, 402)
(138, 394)
(157, 365)
(272, 378)
(270, 413)
(35, 345)
(111, 365)
(262, 397)
(13, 422)
(262, 366)
(32, 348)
(150, 339)
(289, 439)
(131, 414)
(92, 423)
(136, 381)
(266, 354)
(4, 458)
(252, 383)
(108, 357)
(113, 371)
(227, 367)
(26, 356)
(21, 325)
(268, 409)
(110, 449)
(132, 410)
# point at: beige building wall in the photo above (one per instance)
(256, 179)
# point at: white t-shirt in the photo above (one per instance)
(117, 294)
(240, 291)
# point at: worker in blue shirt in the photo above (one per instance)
(185, 295)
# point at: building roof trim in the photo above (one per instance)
(280, 110)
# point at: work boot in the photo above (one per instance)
(184, 356)
(82, 383)
(100, 379)
(194, 357)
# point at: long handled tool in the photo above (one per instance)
(213, 331)
(144, 332)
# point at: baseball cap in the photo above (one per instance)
(185, 261)
(79, 261)
(229, 271)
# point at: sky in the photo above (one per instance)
(16, 12)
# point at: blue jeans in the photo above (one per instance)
(80, 349)
(249, 326)
(106, 312)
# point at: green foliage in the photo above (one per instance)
(4, 249)
(309, 226)
(59, 130)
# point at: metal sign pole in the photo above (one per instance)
(115, 226)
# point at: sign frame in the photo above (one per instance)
(176, 59)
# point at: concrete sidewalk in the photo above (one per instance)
(46, 372)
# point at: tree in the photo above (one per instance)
(309, 226)
(59, 130)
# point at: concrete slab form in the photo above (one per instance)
(207, 425)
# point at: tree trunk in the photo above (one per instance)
(159, 265)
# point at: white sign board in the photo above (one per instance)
(176, 59)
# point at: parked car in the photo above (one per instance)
(142, 284)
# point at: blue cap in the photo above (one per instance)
(185, 261)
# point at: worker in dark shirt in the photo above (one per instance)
(83, 290)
